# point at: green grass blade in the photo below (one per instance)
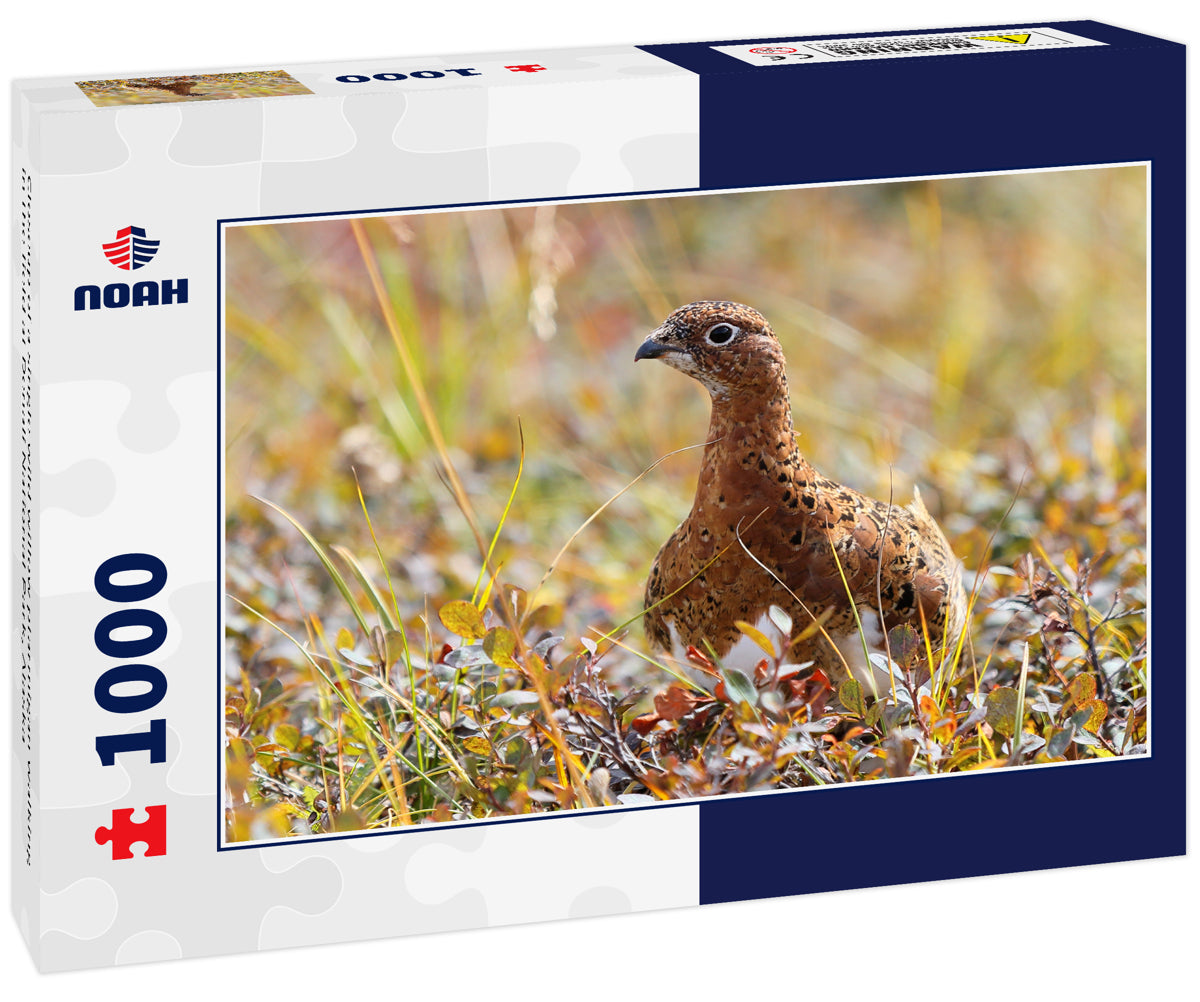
(487, 559)
(366, 584)
(333, 572)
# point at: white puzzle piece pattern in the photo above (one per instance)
(127, 453)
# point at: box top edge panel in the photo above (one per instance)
(1098, 30)
(347, 77)
(542, 66)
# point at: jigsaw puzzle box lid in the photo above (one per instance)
(156, 815)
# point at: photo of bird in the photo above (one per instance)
(179, 86)
(190, 88)
(445, 485)
(766, 528)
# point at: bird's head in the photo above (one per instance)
(728, 347)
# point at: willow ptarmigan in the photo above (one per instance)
(755, 484)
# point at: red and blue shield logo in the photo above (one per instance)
(131, 250)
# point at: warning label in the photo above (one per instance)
(797, 52)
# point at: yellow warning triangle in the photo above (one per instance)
(1015, 39)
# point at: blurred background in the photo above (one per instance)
(982, 337)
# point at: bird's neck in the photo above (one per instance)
(751, 442)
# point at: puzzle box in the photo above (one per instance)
(340, 521)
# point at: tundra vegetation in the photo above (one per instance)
(446, 480)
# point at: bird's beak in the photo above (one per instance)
(652, 349)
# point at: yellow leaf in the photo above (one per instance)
(345, 639)
(267, 753)
(287, 735)
(463, 620)
(478, 745)
(393, 642)
(1082, 689)
(756, 635)
(941, 725)
(1002, 710)
(240, 750)
(1099, 713)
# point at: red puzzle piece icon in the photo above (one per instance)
(125, 831)
(526, 68)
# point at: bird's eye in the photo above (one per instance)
(721, 333)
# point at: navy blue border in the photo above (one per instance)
(702, 57)
(929, 116)
(1122, 102)
(925, 115)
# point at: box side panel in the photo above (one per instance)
(938, 115)
(130, 452)
(1143, 90)
(25, 869)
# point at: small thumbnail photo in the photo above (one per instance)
(195, 87)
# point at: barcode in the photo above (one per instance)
(815, 51)
(884, 48)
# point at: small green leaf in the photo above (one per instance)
(463, 620)
(1002, 710)
(739, 687)
(272, 690)
(517, 751)
(499, 645)
(874, 713)
(850, 695)
(1059, 742)
(782, 621)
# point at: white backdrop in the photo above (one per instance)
(1044, 933)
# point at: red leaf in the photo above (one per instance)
(702, 661)
(676, 703)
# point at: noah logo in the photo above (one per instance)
(131, 250)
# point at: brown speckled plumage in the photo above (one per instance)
(754, 482)
(182, 86)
